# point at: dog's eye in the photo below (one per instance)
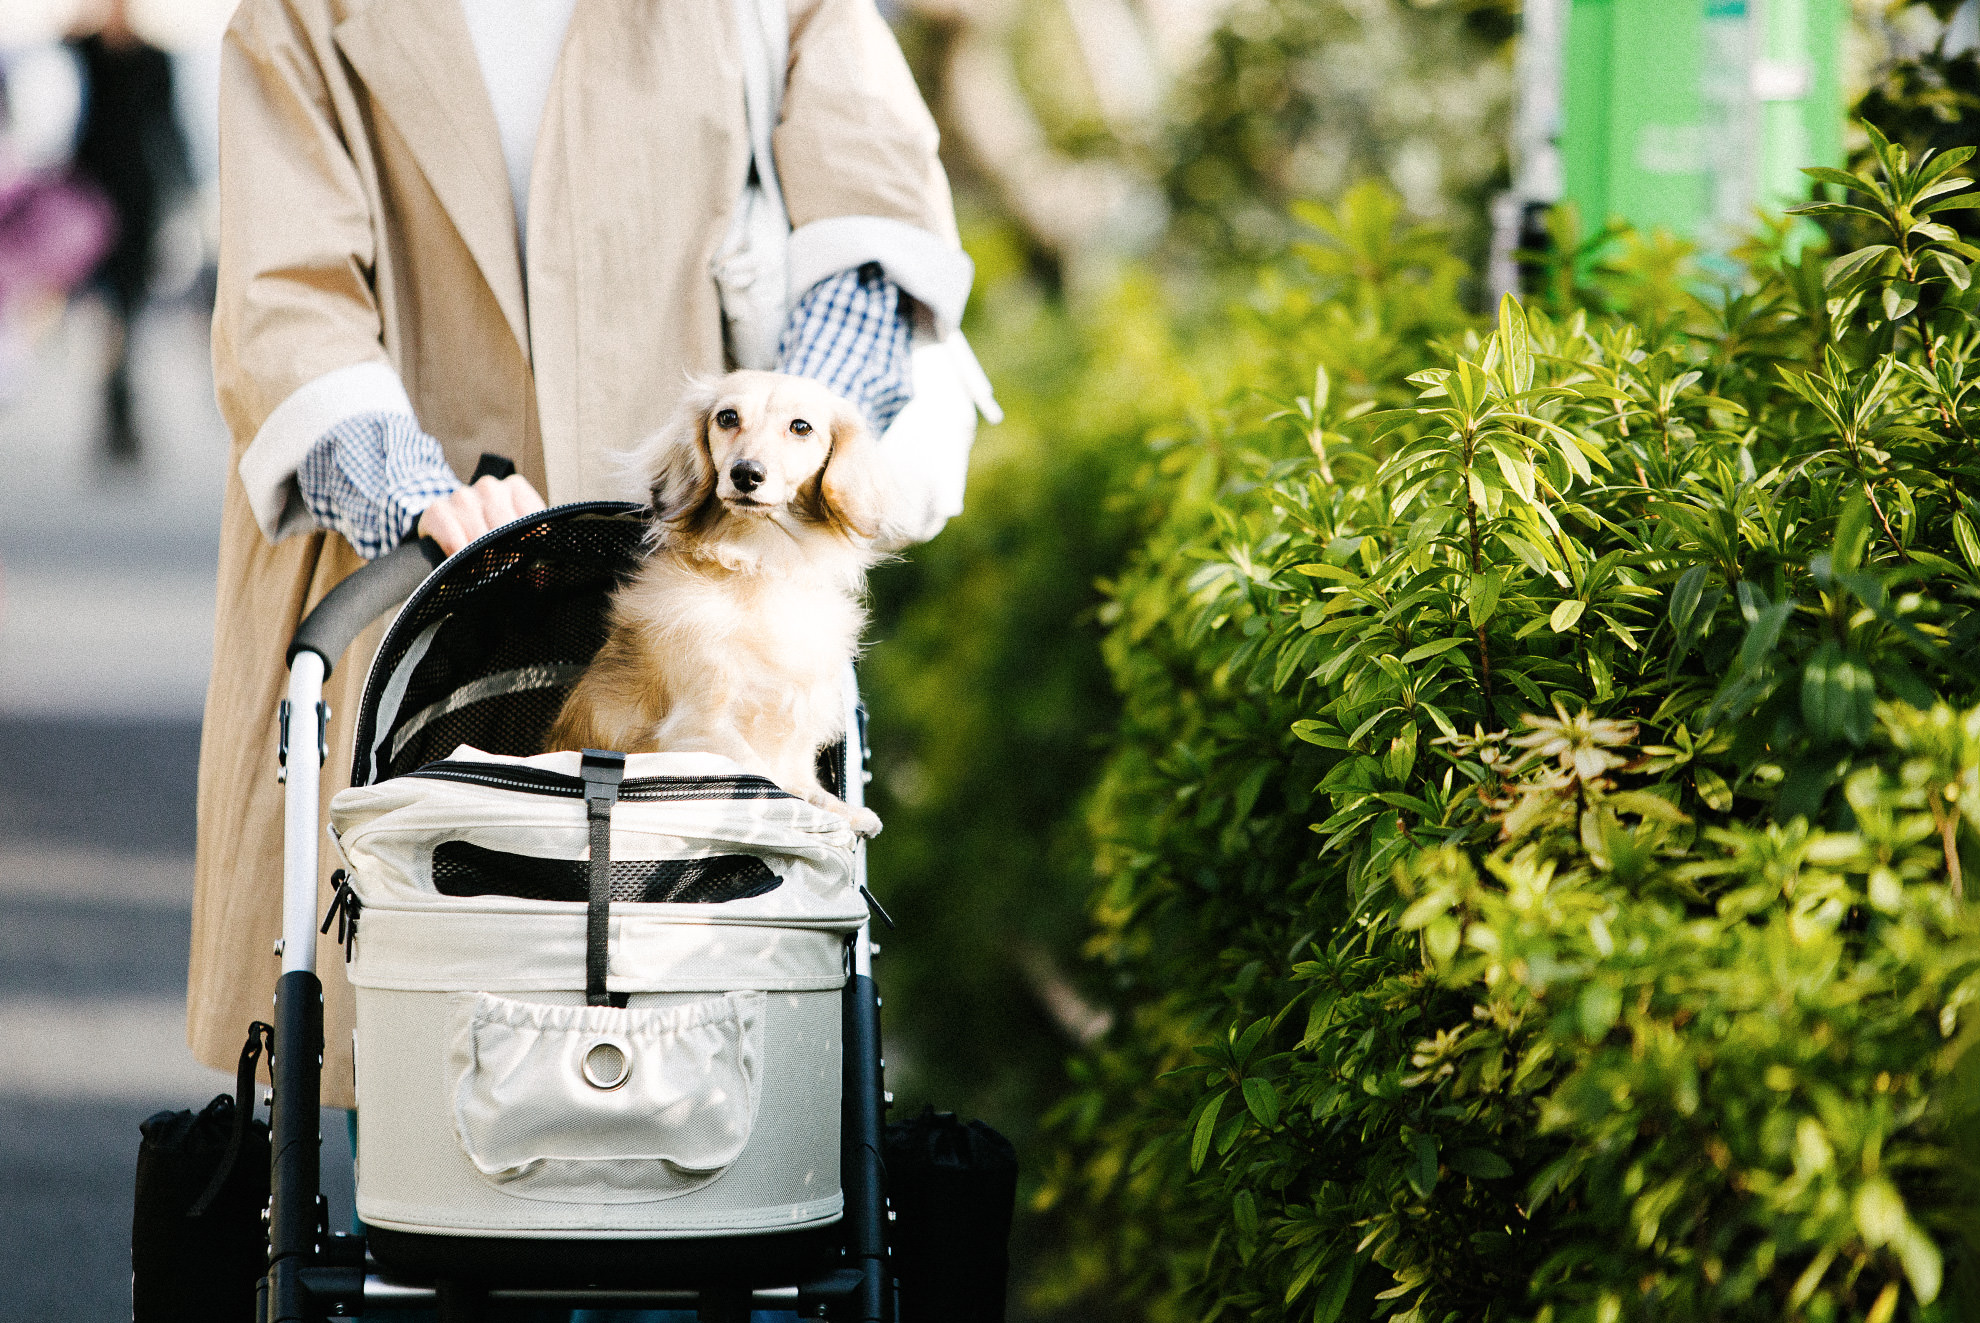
(727, 418)
(801, 427)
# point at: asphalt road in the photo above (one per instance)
(106, 602)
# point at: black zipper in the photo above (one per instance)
(537, 781)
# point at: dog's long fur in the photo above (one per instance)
(734, 636)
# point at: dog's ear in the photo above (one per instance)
(674, 462)
(852, 488)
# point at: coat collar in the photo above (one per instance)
(418, 61)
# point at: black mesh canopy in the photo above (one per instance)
(487, 648)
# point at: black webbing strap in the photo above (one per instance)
(602, 771)
(259, 1034)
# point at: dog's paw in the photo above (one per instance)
(863, 821)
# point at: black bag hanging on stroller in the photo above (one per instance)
(197, 1243)
(953, 1185)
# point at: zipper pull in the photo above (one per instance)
(344, 909)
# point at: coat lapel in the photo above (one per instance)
(417, 60)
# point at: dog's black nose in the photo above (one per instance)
(748, 475)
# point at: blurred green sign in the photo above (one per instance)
(1690, 115)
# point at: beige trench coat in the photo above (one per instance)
(366, 218)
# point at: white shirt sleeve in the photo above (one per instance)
(268, 466)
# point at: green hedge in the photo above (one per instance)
(1531, 857)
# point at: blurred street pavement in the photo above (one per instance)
(106, 611)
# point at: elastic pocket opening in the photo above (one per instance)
(601, 1104)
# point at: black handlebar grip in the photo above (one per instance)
(348, 608)
(376, 588)
(493, 466)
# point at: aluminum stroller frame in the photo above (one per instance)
(840, 1272)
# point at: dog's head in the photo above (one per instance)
(764, 446)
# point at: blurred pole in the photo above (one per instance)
(1518, 215)
(1963, 31)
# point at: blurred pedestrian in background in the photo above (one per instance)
(130, 146)
(53, 230)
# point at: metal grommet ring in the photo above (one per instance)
(607, 1063)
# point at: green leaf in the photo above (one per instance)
(1482, 596)
(1320, 733)
(1438, 718)
(1827, 175)
(1882, 1219)
(1441, 937)
(1764, 634)
(1248, 1041)
(1900, 297)
(1316, 1260)
(1427, 650)
(1206, 1130)
(1852, 532)
(1244, 1212)
(1332, 1297)
(1956, 271)
(1599, 1008)
(1969, 542)
(1880, 1212)
(1480, 1164)
(1566, 614)
(1923, 1265)
(1246, 796)
(1840, 209)
(1517, 344)
(1263, 1100)
(1518, 472)
(1712, 788)
(1934, 165)
(1964, 202)
(1422, 1169)
(1684, 599)
(1838, 695)
(1850, 265)
(1323, 570)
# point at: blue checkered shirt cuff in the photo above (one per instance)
(371, 476)
(851, 331)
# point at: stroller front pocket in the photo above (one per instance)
(601, 1104)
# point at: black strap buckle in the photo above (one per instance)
(602, 770)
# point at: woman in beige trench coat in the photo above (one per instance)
(376, 254)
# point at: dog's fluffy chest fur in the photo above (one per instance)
(772, 642)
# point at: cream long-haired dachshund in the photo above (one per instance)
(735, 634)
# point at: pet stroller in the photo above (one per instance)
(617, 1034)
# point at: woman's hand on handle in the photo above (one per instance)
(456, 520)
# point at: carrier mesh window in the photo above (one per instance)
(462, 869)
(517, 620)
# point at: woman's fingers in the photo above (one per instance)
(456, 520)
(524, 495)
(494, 504)
(442, 522)
(503, 499)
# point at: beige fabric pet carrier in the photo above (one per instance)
(702, 1099)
